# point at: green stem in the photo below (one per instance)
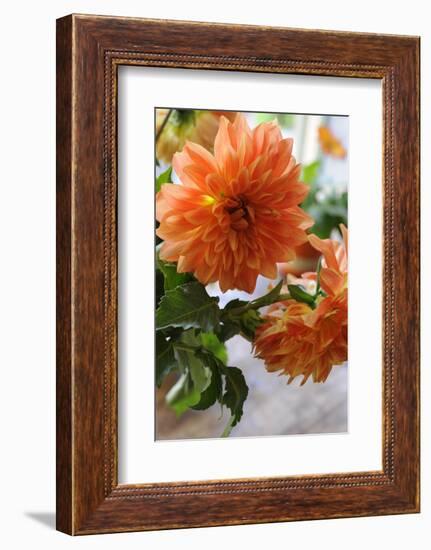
(253, 305)
(280, 298)
(319, 267)
(228, 428)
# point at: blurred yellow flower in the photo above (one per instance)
(185, 125)
(329, 144)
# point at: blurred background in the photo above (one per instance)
(272, 408)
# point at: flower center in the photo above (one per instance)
(239, 212)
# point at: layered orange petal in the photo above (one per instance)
(333, 275)
(297, 341)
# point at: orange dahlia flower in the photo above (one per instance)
(186, 124)
(235, 213)
(297, 340)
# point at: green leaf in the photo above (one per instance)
(186, 354)
(228, 329)
(310, 172)
(327, 213)
(183, 394)
(335, 210)
(236, 391)
(160, 286)
(298, 293)
(214, 391)
(188, 306)
(233, 304)
(323, 223)
(164, 177)
(172, 279)
(201, 382)
(195, 378)
(165, 358)
(212, 343)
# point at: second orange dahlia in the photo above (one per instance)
(298, 340)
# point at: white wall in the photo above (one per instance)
(27, 117)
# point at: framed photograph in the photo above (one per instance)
(237, 274)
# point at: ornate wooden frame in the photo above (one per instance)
(89, 51)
